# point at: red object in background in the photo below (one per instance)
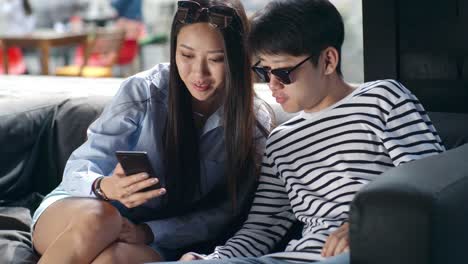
(128, 51)
(127, 54)
(16, 63)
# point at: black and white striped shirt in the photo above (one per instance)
(316, 162)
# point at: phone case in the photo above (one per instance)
(134, 162)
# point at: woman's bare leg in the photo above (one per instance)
(76, 230)
(125, 253)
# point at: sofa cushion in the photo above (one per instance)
(73, 118)
(37, 137)
(23, 129)
(15, 237)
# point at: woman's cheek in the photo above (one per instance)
(184, 69)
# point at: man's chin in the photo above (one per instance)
(290, 109)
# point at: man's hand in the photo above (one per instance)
(135, 234)
(337, 242)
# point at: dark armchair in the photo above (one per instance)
(417, 212)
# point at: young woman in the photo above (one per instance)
(197, 120)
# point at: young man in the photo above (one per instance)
(343, 137)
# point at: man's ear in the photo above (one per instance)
(331, 59)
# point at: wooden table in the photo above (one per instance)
(43, 40)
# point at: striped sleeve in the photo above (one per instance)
(409, 133)
(269, 219)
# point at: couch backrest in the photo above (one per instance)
(24, 132)
(452, 128)
(38, 136)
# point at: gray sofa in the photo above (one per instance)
(42, 120)
(417, 213)
(396, 216)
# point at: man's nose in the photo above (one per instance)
(274, 83)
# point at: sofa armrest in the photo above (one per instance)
(415, 213)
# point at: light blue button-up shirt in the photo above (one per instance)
(134, 120)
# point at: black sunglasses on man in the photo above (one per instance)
(282, 74)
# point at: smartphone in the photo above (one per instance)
(134, 162)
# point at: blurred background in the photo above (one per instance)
(146, 24)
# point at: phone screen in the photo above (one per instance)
(134, 162)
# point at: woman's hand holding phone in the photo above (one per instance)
(127, 189)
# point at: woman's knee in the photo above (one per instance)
(97, 225)
(97, 214)
(96, 218)
(82, 219)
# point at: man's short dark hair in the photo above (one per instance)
(297, 27)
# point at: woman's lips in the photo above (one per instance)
(201, 87)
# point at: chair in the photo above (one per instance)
(128, 54)
(16, 64)
(100, 55)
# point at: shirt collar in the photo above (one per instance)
(214, 120)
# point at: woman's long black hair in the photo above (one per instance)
(181, 138)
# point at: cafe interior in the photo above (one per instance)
(86, 38)
(116, 38)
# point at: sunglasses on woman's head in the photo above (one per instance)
(189, 12)
(283, 75)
